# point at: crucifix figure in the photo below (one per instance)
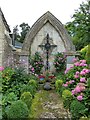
(47, 47)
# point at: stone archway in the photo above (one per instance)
(48, 24)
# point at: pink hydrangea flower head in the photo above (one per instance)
(73, 92)
(82, 72)
(77, 89)
(81, 64)
(83, 79)
(76, 76)
(71, 67)
(82, 88)
(71, 81)
(67, 83)
(66, 71)
(77, 72)
(83, 61)
(1, 68)
(80, 97)
(86, 70)
(77, 64)
(85, 65)
(75, 60)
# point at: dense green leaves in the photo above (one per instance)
(36, 63)
(18, 110)
(60, 62)
(79, 28)
(24, 29)
(20, 32)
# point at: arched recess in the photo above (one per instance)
(37, 26)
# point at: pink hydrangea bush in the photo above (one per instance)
(76, 81)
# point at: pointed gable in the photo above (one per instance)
(38, 25)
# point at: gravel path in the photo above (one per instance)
(50, 106)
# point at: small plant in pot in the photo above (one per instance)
(41, 78)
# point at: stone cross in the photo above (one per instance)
(47, 47)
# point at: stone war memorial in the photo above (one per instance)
(47, 36)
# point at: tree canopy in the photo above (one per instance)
(19, 35)
(79, 28)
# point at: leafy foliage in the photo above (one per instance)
(27, 98)
(36, 63)
(24, 30)
(77, 109)
(60, 62)
(14, 80)
(30, 87)
(67, 98)
(66, 94)
(88, 54)
(58, 85)
(83, 52)
(19, 35)
(77, 81)
(79, 28)
(8, 99)
(6, 79)
(18, 110)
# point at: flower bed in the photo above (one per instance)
(77, 85)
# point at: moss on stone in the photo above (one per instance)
(47, 104)
(36, 107)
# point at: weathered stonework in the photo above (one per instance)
(6, 48)
(48, 24)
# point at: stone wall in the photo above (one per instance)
(5, 42)
(1, 39)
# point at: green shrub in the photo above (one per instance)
(59, 75)
(6, 79)
(83, 52)
(30, 87)
(60, 62)
(77, 109)
(88, 82)
(88, 54)
(27, 98)
(58, 85)
(13, 80)
(18, 110)
(66, 94)
(67, 98)
(9, 98)
(36, 63)
(33, 83)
